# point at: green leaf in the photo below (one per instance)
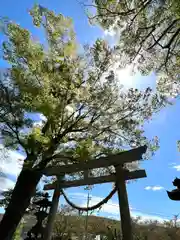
(87, 114)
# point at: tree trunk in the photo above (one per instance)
(23, 191)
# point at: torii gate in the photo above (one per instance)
(120, 177)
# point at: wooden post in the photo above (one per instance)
(52, 212)
(126, 226)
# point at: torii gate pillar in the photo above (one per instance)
(126, 226)
(52, 212)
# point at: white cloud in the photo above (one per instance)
(172, 164)
(5, 184)
(154, 188)
(111, 209)
(142, 217)
(78, 194)
(177, 167)
(148, 217)
(11, 162)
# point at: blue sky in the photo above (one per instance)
(147, 197)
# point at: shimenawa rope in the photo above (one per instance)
(98, 205)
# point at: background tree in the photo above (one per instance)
(108, 229)
(85, 112)
(66, 223)
(69, 223)
(148, 33)
(6, 197)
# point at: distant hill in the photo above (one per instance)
(105, 226)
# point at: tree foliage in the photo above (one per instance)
(6, 196)
(68, 224)
(86, 113)
(63, 225)
(148, 36)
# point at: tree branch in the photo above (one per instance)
(172, 38)
(130, 11)
(12, 129)
(140, 10)
(163, 34)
